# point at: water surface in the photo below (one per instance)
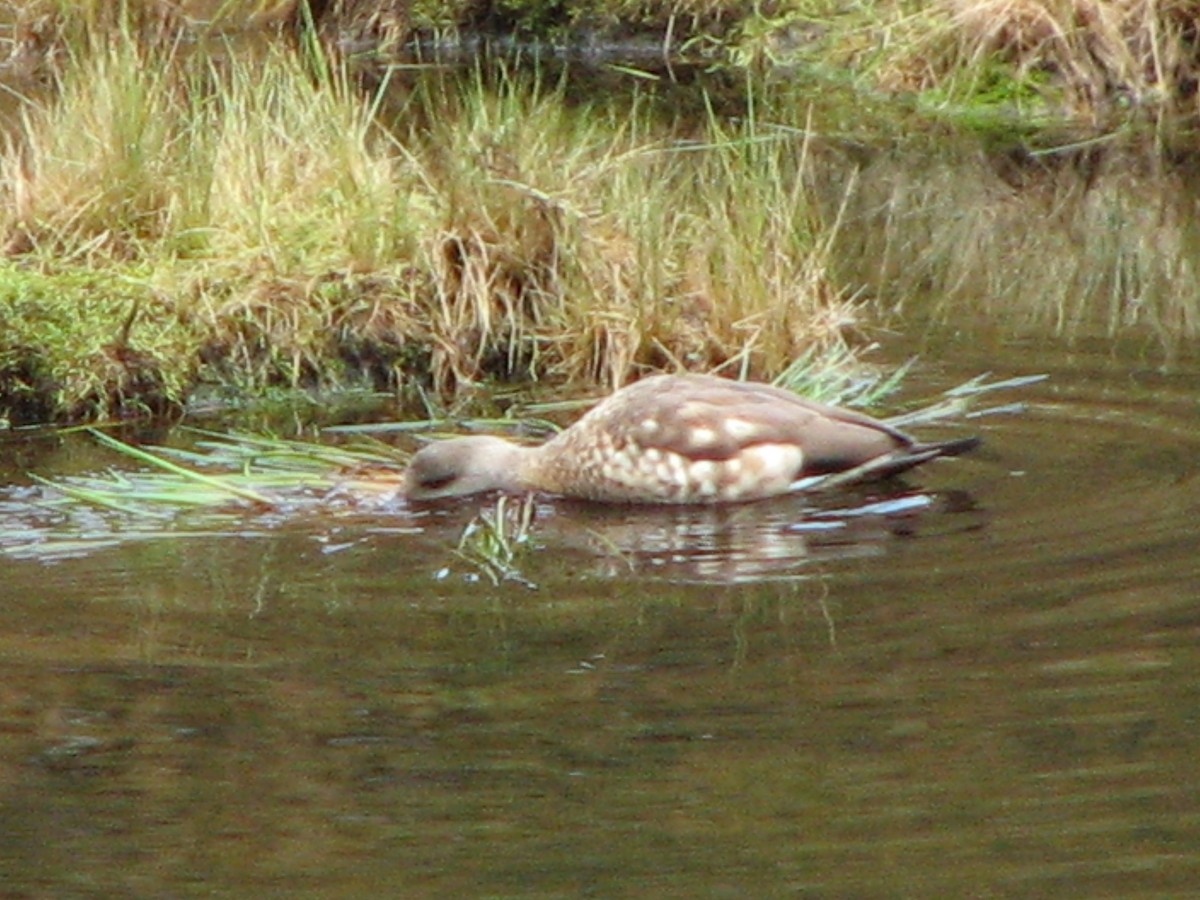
(991, 692)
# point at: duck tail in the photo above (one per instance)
(910, 457)
(957, 447)
(898, 461)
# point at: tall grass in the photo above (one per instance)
(302, 230)
(584, 242)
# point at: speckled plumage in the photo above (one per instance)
(677, 439)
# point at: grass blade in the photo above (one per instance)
(182, 471)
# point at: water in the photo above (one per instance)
(991, 691)
(984, 682)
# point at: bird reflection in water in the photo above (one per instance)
(725, 544)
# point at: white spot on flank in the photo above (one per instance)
(740, 429)
(768, 469)
(703, 478)
(649, 425)
(668, 469)
(679, 466)
(701, 437)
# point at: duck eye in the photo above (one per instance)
(435, 481)
(432, 474)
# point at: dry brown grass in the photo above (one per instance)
(1094, 57)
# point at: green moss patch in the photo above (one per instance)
(86, 345)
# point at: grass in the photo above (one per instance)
(995, 65)
(282, 227)
(184, 213)
(252, 472)
(495, 541)
(580, 244)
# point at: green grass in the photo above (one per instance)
(496, 541)
(284, 227)
(211, 216)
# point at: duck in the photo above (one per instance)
(679, 439)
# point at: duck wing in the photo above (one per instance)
(706, 417)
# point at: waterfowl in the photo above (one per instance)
(678, 439)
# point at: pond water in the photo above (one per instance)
(989, 688)
(983, 681)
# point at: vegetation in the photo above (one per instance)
(495, 541)
(1086, 59)
(269, 225)
(183, 209)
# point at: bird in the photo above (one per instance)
(678, 439)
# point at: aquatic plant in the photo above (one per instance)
(495, 541)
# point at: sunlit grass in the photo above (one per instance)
(294, 229)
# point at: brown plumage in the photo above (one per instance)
(679, 439)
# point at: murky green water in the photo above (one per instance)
(985, 683)
(994, 691)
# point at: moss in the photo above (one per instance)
(80, 345)
(996, 101)
(83, 345)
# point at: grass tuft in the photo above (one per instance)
(288, 228)
(1085, 60)
(495, 541)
